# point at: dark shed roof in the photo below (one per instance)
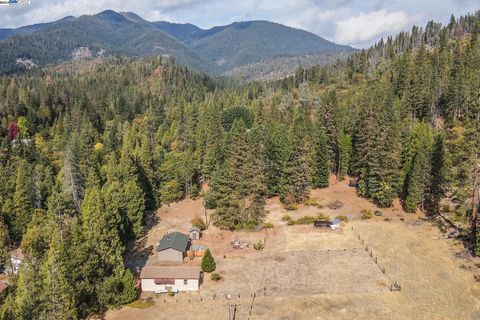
(320, 223)
(174, 240)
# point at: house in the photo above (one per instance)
(162, 279)
(16, 258)
(172, 247)
(195, 233)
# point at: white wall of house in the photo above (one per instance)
(170, 255)
(148, 285)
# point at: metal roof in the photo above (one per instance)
(174, 240)
(170, 272)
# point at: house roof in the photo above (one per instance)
(174, 240)
(170, 272)
(194, 229)
(336, 221)
(322, 222)
(17, 253)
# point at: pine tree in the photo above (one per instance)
(58, 294)
(344, 155)
(322, 160)
(4, 245)
(208, 263)
(134, 206)
(299, 164)
(418, 168)
(22, 200)
(276, 152)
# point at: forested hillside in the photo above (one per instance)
(86, 157)
(110, 33)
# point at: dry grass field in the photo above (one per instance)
(309, 274)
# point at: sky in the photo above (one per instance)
(359, 23)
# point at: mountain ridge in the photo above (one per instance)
(216, 50)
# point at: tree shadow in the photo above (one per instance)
(137, 254)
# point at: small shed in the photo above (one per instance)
(322, 224)
(173, 246)
(195, 233)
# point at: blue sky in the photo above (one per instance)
(355, 22)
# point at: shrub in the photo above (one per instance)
(291, 222)
(208, 263)
(267, 225)
(216, 276)
(305, 220)
(199, 223)
(312, 202)
(322, 216)
(286, 218)
(141, 304)
(259, 246)
(446, 208)
(170, 292)
(342, 218)
(366, 214)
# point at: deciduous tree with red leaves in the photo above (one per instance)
(13, 130)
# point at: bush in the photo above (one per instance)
(291, 222)
(216, 276)
(342, 218)
(267, 225)
(312, 202)
(286, 218)
(199, 223)
(305, 220)
(322, 216)
(446, 208)
(170, 292)
(366, 214)
(259, 246)
(141, 304)
(208, 263)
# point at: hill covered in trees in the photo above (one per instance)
(86, 156)
(110, 33)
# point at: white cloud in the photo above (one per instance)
(365, 28)
(46, 11)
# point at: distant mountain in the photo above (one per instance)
(5, 33)
(217, 50)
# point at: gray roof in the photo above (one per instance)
(174, 240)
(194, 229)
(336, 221)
